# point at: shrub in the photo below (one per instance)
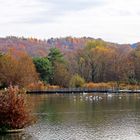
(13, 110)
(77, 81)
(89, 85)
(41, 86)
(108, 85)
(53, 87)
(37, 86)
(111, 85)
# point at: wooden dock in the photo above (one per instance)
(80, 90)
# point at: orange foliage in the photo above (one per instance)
(111, 85)
(98, 85)
(53, 87)
(37, 86)
(17, 68)
(14, 113)
(41, 86)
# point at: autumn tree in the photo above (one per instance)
(97, 62)
(17, 69)
(91, 60)
(61, 75)
(135, 63)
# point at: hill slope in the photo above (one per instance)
(35, 47)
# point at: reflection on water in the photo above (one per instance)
(17, 136)
(83, 117)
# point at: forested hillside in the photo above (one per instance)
(35, 47)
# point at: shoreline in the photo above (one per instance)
(79, 90)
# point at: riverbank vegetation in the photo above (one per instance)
(95, 65)
(14, 112)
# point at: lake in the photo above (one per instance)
(83, 117)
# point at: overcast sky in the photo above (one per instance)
(111, 20)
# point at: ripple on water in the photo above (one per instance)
(124, 127)
(84, 118)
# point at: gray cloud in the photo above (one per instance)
(42, 11)
(52, 10)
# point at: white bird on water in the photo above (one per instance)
(109, 95)
(120, 97)
(84, 93)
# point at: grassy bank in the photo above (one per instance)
(91, 85)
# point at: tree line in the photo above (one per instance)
(96, 62)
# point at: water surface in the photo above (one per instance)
(83, 117)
